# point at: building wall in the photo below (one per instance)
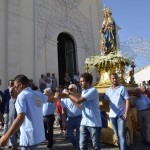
(142, 75)
(29, 30)
(3, 41)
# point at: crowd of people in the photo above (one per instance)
(142, 103)
(47, 81)
(28, 112)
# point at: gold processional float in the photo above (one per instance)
(110, 61)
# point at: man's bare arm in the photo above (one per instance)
(127, 103)
(15, 126)
(76, 97)
(52, 98)
(75, 103)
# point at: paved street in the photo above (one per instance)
(62, 144)
(139, 144)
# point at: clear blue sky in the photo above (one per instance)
(133, 16)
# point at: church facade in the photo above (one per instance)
(40, 36)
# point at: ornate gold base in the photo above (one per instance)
(112, 63)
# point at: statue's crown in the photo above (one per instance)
(107, 10)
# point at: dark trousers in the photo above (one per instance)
(48, 125)
(60, 122)
(144, 122)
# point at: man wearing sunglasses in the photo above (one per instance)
(72, 116)
(29, 115)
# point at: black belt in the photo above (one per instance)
(145, 109)
(49, 115)
(75, 116)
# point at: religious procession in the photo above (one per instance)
(55, 94)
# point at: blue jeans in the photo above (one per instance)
(119, 126)
(33, 147)
(94, 133)
(42, 87)
(73, 123)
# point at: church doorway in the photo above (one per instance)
(66, 56)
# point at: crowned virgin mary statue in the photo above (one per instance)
(108, 33)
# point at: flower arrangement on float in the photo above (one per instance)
(110, 59)
(107, 64)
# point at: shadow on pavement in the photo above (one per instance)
(61, 143)
(138, 144)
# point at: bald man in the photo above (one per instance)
(72, 116)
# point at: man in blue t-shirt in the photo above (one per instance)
(119, 108)
(49, 118)
(91, 116)
(71, 115)
(142, 104)
(29, 115)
